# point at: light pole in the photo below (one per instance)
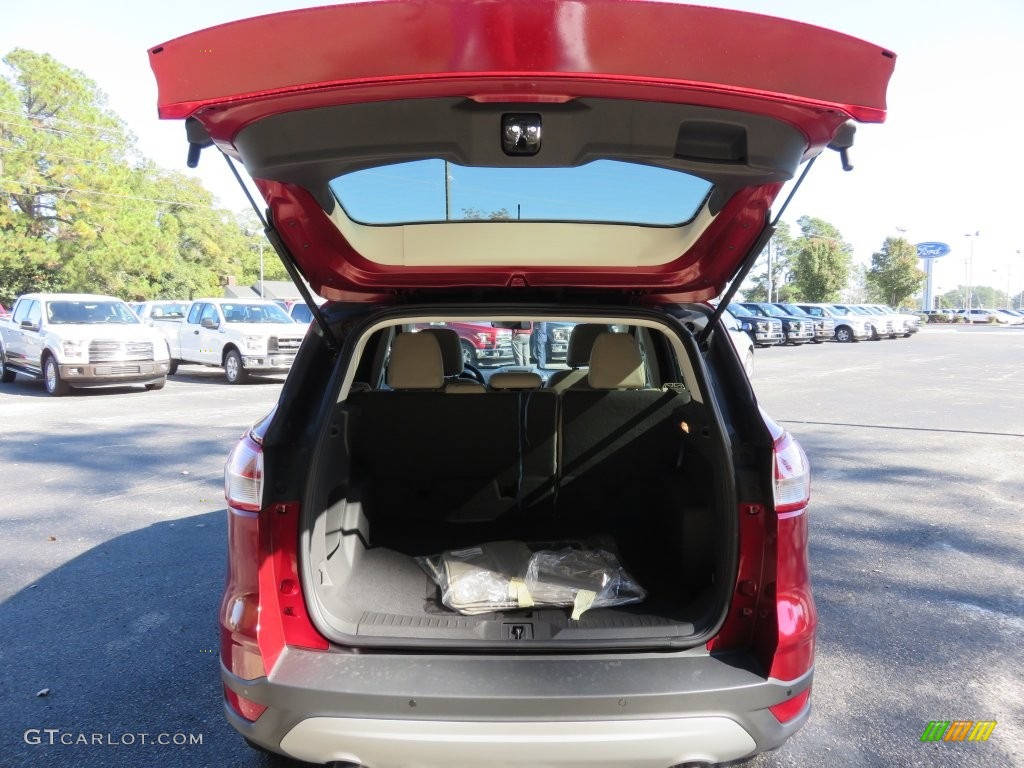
(258, 234)
(970, 271)
(1020, 301)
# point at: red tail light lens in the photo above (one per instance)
(243, 476)
(792, 484)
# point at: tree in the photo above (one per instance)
(80, 206)
(821, 264)
(894, 274)
(759, 282)
(475, 214)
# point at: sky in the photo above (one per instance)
(947, 162)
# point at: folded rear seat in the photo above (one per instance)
(621, 444)
(421, 457)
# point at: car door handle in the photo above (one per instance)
(195, 333)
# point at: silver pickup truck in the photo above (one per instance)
(80, 340)
(243, 336)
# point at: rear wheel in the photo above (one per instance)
(55, 385)
(233, 370)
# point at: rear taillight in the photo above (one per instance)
(263, 608)
(772, 610)
(243, 476)
(792, 475)
(795, 615)
(240, 606)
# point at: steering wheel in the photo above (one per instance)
(472, 373)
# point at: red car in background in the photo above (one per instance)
(482, 344)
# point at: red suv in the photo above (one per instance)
(605, 569)
(482, 344)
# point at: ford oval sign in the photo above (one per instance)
(931, 250)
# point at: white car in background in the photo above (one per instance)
(741, 340)
(1012, 317)
(983, 316)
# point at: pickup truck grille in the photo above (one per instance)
(102, 350)
(284, 343)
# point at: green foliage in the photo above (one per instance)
(759, 281)
(475, 214)
(821, 264)
(894, 274)
(81, 211)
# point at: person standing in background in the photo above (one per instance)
(521, 345)
(539, 343)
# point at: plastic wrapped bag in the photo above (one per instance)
(505, 575)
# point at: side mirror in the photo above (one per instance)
(28, 325)
(210, 323)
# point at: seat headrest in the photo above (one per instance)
(415, 362)
(516, 380)
(616, 363)
(451, 349)
(581, 341)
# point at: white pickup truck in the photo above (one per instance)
(80, 340)
(242, 336)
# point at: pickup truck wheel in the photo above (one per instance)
(468, 353)
(233, 370)
(55, 385)
(844, 334)
(172, 367)
(157, 384)
(6, 374)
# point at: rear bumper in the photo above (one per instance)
(113, 373)
(387, 711)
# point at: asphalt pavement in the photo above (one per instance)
(113, 529)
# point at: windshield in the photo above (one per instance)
(604, 191)
(69, 312)
(255, 313)
(174, 310)
(794, 310)
(774, 311)
(740, 311)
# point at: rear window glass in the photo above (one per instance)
(605, 191)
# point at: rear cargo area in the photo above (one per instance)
(642, 473)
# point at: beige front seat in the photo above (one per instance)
(616, 363)
(451, 358)
(577, 357)
(415, 362)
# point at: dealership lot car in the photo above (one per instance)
(849, 325)
(368, 507)
(824, 327)
(798, 329)
(765, 331)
